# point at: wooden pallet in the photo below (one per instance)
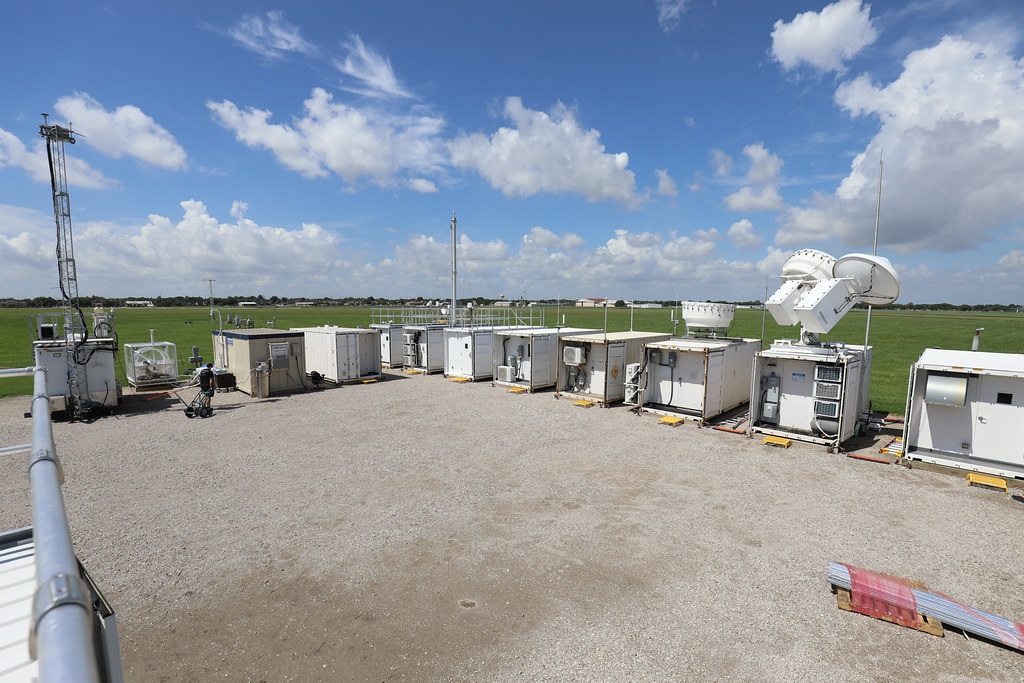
(931, 625)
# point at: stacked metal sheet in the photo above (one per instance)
(947, 611)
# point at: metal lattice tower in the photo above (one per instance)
(74, 322)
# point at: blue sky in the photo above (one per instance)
(649, 150)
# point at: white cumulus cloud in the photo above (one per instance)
(951, 128)
(762, 194)
(666, 186)
(824, 40)
(422, 185)
(743, 236)
(126, 131)
(165, 256)
(13, 152)
(332, 137)
(546, 152)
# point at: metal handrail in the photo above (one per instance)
(61, 638)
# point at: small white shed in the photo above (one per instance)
(964, 410)
(391, 350)
(699, 376)
(423, 348)
(342, 354)
(529, 358)
(468, 351)
(592, 367)
(264, 361)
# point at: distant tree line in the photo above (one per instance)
(260, 300)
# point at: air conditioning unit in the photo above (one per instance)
(826, 409)
(505, 373)
(633, 383)
(827, 390)
(633, 373)
(409, 338)
(828, 373)
(574, 355)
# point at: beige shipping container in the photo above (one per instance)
(592, 367)
(264, 361)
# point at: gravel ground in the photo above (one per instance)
(419, 529)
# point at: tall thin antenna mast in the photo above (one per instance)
(874, 248)
(211, 281)
(75, 330)
(454, 273)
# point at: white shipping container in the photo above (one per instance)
(593, 366)
(423, 348)
(698, 376)
(342, 354)
(787, 398)
(390, 343)
(529, 356)
(964, 410)
(468, 351)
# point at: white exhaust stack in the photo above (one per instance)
(977, 339)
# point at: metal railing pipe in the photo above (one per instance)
(17, 372)
(23, 449)
(62, 616)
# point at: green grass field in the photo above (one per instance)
(898, 336)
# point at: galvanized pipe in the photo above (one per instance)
(63, 636)
(16, 450)
(17, 372)
(995, 628)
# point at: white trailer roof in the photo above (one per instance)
(700, 343)
(973, 361)
(17, 589)
(333, 328)
(601, 337)
(536, 331)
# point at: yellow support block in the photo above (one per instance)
(517, 390)
(583, 404)
(369, 381)
(776, 441)
(414, 372)
(671, 421)
(985, 480)
(460, 380)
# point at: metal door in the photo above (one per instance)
(998, 409)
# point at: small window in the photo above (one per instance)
(1005, 399)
